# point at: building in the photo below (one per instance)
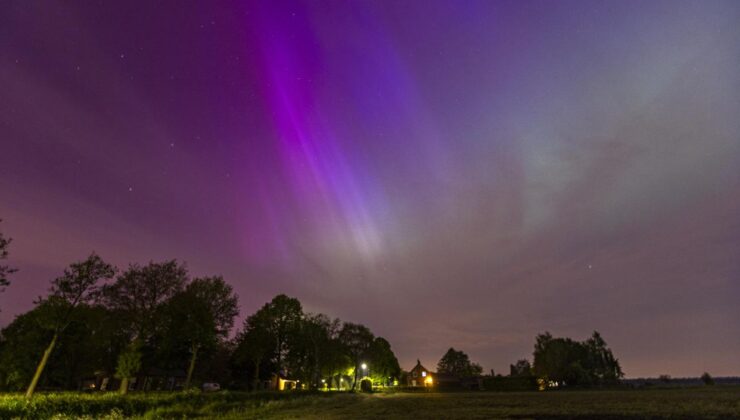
(420, 376)
(282, 383)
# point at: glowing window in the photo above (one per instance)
(423, 374)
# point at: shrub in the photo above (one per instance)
(366, 385)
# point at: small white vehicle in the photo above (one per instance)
(211, 387)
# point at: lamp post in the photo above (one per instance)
(364, 373)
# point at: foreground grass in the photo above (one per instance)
(708, 402)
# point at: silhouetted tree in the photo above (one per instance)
(707, 379)
(89, 345)
(271, 332)
(383, 363)
(22, 344)
(315, 342)
(601, 363)
(140, 293)
(520, 368)
(200, 316)
(254, 344)
(139, 296)
(357, 340)
(585, 364)
(79, 285)
(284, 317)
(458, 363)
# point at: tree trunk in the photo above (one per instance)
(123, 389)
(354, 382)
(191, 368)
(256, 376)
(279, 356)
(40, 367)
(315, 375)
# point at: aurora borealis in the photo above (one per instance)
(460, 173)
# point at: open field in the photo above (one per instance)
(707, 402)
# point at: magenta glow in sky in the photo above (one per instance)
(463, 174)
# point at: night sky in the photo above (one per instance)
(458, 173)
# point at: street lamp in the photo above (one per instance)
(364, 374)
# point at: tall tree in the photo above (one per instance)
(318, 337)
(254, 345)
(5, 270)
(285, 315)
(79, 285)
(201, 316)
(383, 363)
(271, 332)
(457, 363)
(139, 297)
(604, 366)
(324, 355)
(357, 340)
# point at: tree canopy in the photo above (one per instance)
(357, 340)
(280, 339)
(457, 363)
(576, 364)
(156, 318)
(79, 285)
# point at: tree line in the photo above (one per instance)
(564, 362)
(97, 320)
(557, 362)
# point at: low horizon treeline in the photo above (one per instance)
(556, 362)
(99, 321)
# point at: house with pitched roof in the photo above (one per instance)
(420, 376)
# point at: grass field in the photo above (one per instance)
(707, 402)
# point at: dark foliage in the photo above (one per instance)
(457, 363)
(575, 364)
